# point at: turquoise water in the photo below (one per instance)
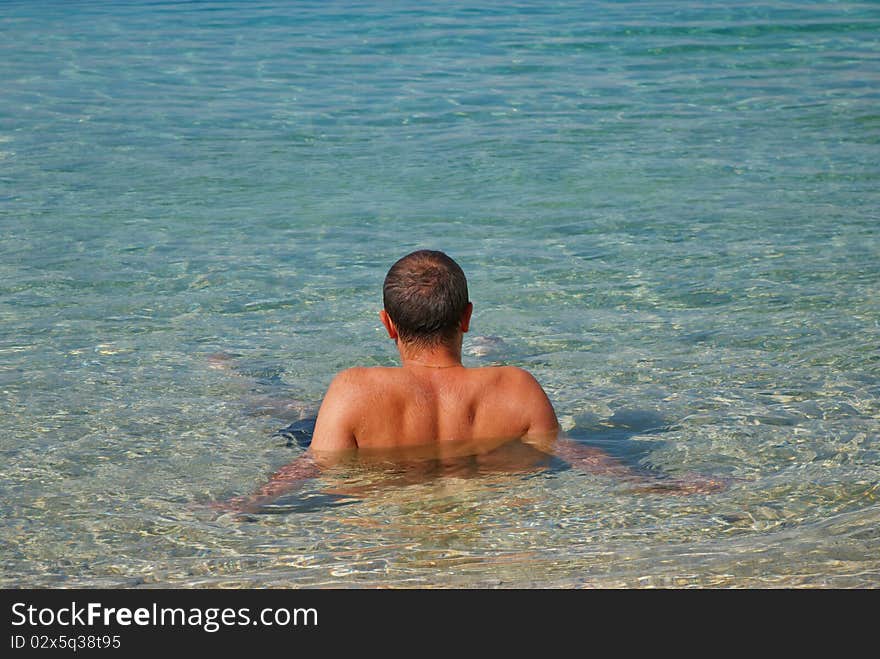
(668, 212)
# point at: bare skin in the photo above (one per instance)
(432, 398)
(434, 407)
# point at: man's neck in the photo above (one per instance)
(440, 356)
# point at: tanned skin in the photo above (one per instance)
(435, 405)
(432, 398)
(431, 403)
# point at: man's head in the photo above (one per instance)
(426, 298)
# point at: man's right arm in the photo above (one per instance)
(597, 461)
(532, 401)
(543, 434)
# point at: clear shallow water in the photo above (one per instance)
(667, 211)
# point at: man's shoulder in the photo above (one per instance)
(518, 396)
(513, 375)
(359, 376)
(352, 389)
(510, 382)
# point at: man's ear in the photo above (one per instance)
(466, 317)
(388, 323)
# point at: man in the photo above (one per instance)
(432, 405)
(432, 397)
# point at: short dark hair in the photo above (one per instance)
(425, 294)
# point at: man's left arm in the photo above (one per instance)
(334, 429)
(332, 437)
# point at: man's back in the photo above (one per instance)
(432, 400)
(375, 408)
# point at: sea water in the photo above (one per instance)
(667, 210)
